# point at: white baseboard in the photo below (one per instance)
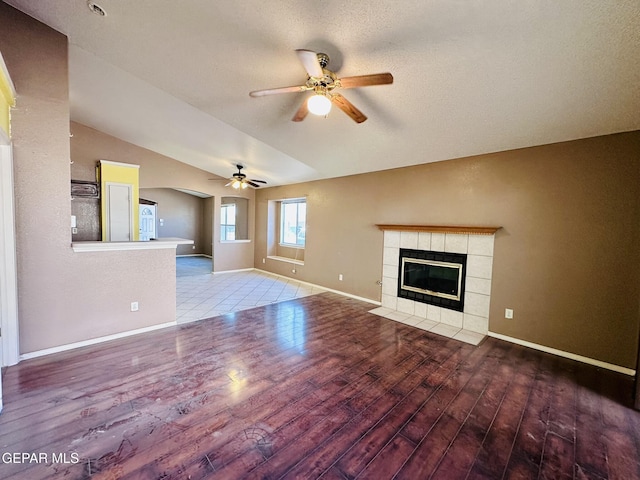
(561, 353)
(93, 341)
(350, 295)
(339, 292)
(234, 271)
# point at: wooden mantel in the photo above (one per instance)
(460, 230)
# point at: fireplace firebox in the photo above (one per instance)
(435, 278)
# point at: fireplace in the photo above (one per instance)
(434, 278)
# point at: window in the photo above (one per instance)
(228, 222)
(234, 219)
(293, 216)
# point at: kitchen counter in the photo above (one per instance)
(157, 244)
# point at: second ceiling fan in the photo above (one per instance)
(323, 82)
(240, 180)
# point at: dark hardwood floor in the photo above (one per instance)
(314, 388)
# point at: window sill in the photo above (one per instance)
(290, 245)
(235, 241)
(285, 259)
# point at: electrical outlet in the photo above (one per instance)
(340, 277)
(134, 306)
(508, 313)
(264, 261)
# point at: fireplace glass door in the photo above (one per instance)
(436, 278)
(432, 277)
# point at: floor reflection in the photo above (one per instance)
(238, 382)
(291, 327)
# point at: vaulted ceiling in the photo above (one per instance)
(470, 77)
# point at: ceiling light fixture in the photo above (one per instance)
(238, 184)
(239, 180)
(319, 104)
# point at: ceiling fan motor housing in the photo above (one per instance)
(323, 59)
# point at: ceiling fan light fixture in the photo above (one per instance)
(319, 104)
(239, 180)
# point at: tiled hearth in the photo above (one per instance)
(472, 324)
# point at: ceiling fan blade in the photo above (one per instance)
(347, 107)
(254, 185)
(310, 62)
(229, 183)
(301, 113)
(259, 181)
(274, 91)
(366, 80)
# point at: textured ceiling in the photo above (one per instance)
(471, 77)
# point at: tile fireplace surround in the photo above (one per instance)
(472, 324)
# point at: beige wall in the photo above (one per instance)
(157, 171)
(207, 227)
(182, 216)
(65, 297)
(566, 259)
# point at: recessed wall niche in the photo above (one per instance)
(234, 219)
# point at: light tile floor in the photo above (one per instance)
(443, 329)
(202, 295)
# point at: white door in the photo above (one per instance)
(147, 222)
(9, 346)
(119, 217)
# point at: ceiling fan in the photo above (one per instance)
(323, 82)
(240, 180)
